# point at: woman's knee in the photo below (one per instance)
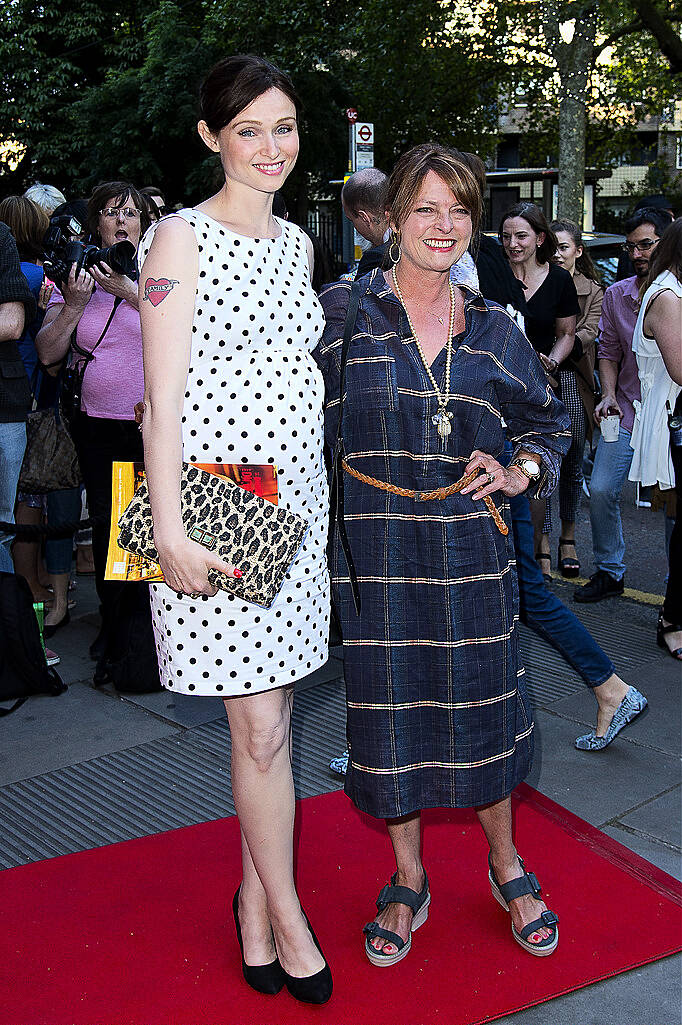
(260, 737)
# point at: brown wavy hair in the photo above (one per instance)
(411, 170)
(28, 223)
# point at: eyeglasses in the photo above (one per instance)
(645, 246)
(129, 212)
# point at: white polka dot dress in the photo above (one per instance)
(254, 395)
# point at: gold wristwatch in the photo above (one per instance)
(530, 468)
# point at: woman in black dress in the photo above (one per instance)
(550, 314)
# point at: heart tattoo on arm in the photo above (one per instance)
(156, 289)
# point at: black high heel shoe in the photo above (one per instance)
(264, 978)
(312, 989)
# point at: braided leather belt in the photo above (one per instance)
(426, 496)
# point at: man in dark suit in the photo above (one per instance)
(362, 198)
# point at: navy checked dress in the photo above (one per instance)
(437, 710)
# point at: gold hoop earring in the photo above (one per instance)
(395, 246)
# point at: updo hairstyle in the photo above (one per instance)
(235, 82)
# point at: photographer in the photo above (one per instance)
(92, 323)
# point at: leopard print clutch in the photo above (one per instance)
(260, 538)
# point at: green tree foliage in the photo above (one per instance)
(99, 90)
(93, 89)
(51, 54)
(590, 70)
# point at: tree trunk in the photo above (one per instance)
(574, 62)
(572, 121)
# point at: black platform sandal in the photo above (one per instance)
(569, 566)
(418, 903)
(661, 632)
(527, 883)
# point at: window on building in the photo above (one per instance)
(643, 150)
(508, 153)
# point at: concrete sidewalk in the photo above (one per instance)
(91, 767)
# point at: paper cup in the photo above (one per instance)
(610, 427)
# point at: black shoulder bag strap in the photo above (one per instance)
(339, 453)
(89, 354)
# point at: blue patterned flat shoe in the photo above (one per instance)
(633, 705)
(340, 765)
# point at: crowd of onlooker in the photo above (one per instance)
(616, 383)
(69, 322)
(56, 307)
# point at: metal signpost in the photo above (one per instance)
(360, 155)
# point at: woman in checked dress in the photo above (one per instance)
(229, 320)
(436, 381)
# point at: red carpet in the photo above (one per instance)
(140, 933)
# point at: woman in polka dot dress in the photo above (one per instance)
(229, 320)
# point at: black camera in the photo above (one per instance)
(62, 250)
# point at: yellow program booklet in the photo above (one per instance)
(126, 478)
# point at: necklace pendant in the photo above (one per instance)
(442, 421)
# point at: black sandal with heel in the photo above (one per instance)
(568, 566)
(506, 892)
(418, 903)
(661, 631)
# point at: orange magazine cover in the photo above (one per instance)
(126, 478)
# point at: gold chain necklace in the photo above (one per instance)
(443, 417)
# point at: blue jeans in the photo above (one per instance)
(542, 611)
(611, 468)
(12, 448)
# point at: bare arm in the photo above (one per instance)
(565, 339)
(663, 323)
(12, 317)
(563, 346)
(166, 343)
(52, 341)
(608, 375)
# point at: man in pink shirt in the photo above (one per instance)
(620, 388)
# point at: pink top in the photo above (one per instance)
(617, 325)
(113, 381)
